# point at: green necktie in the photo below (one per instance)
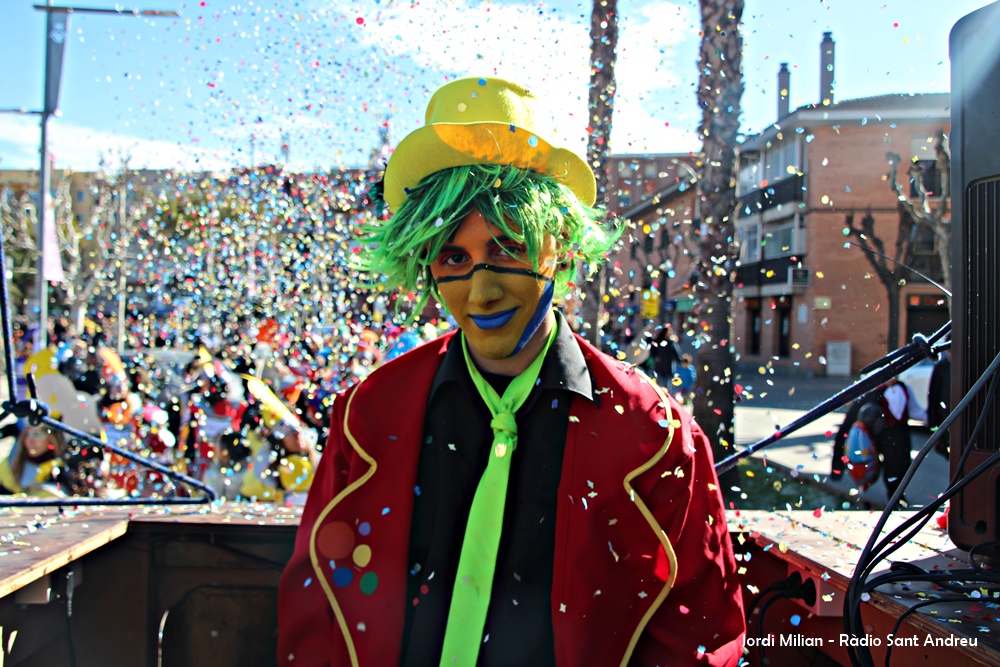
(470, 598)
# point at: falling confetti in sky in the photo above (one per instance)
(309, 83)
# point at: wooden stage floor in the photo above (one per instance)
(197, 585)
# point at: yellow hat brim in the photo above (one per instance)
(430, 149)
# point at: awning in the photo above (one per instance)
(684, 303)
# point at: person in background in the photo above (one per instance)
(505, 494)
(86, 367)
(939, 399)
(684, 377)
(893, 441)
(35, 465)
(839, 462)
(275, 456)
(665, 353)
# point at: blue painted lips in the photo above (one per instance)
(495, 320)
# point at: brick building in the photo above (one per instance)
(650, 281)
(802, 300)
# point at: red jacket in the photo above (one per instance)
(644, 572)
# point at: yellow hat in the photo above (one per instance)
(484, 121)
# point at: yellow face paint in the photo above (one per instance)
(491, 288)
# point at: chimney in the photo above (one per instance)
(826, 70)
(783, 81)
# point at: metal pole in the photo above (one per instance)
(44, 177)
(122, 256)
(41, 336)
(50, 102)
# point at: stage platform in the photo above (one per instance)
(193, 585)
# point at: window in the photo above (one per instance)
(749, 239)
(753, 325)
(923, 165)
(779, 241)
(647, 243)
(923, 240)
(783, 315)
(780, 161)
(922, 147)
(749, 176)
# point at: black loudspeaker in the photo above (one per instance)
(974, 518)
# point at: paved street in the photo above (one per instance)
(779, 400)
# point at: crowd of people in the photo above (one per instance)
(242, 406)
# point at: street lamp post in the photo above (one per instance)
(56, 30)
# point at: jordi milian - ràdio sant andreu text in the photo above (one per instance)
(867, 640)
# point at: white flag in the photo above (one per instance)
(51, 257)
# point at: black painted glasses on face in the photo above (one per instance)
(494, 269)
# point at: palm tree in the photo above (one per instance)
(720, 88)
(601, 103)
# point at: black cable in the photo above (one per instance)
(70, 585)
(775, 587)
(794, 585)
(974, 436)
(963, 405)
(941, 576)
(982, 545)
(791, 588)
(892, 542)
(760, 622)
(888, 366)
(876, 550)
(899, 622)
(956, 484)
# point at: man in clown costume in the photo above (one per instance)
(507, 494)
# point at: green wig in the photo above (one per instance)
(524, 205)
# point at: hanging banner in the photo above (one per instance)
(650, 304)
(57, 29)
(52, 269)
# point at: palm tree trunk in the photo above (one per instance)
(601, 103)
(720, 88)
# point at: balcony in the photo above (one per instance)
(781, 192)
(771, 272)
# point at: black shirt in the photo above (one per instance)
(457, 443)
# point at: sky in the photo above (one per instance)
(229, 81)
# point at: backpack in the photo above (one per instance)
(862, 454)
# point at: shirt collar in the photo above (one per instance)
(564, 367)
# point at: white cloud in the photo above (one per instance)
(649, 44)
(81, 148)
(656, 61)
